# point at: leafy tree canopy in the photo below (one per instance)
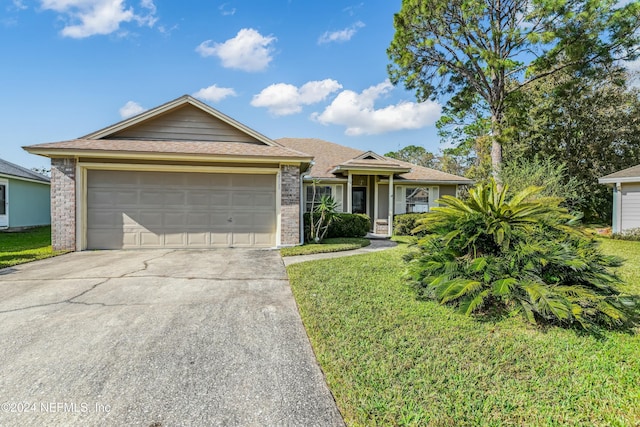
(415, 154)
(480, 52)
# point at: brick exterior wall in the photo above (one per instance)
(290, 205)
(63, 204)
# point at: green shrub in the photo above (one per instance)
(343, 225)
(404, 224)
(630, 234)
(488, 254)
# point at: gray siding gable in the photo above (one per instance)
(185, 123)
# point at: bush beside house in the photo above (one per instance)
(404, 224)
(345, 225)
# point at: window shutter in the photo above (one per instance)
(338, 197)
(434, 194)
(400, 201)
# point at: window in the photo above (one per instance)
(334, 191)
(417, 199)
(3, 199)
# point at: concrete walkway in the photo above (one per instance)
(376, 245)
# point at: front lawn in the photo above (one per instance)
(337, 244)
(24, 246)
(391, 359)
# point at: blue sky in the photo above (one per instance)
(284, 68)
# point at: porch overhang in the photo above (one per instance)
(370, 170)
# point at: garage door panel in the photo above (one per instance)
(167, 209)
(241, 239)
(196, 219)
(220, 239)
(198, 198)
(150, 219)
(126, 198)
(197, 239)
(174, 239)
(221, 198)
(150, 240)
(104, 218)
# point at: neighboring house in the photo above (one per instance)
(24, 197)
(626, 198)
(367, 183)
(184, 175)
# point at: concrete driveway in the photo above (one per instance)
(157, 338)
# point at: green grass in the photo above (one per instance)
(24, 246)
(327, 245)
(391, 359)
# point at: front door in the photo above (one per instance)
(4, 205)
(359, 201)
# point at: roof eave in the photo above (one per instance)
(141, 155)
(356, 169)
(432, 181)
(620, 180)
(22, 178)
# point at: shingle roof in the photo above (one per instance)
(328, 155)
(632, 172)
(11, 169)
(230, 149)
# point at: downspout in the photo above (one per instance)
(302, 204)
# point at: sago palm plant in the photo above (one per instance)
(488, 253)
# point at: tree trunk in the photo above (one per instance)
(496, 147)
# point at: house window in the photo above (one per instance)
(334, 191)
(416, 199)
(3, 199)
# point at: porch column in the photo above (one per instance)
(391, 206)
(349, 191)
(375, 201)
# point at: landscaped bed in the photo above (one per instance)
(391, 359)
(337, 244)
(24, 246)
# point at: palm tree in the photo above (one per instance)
(524, 254)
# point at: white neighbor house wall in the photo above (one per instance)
(629, 206)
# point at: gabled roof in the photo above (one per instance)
(8, 169)
(109, 131)
(332, 159)
(182, 129)
(631, 174)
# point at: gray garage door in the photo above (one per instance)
(127, 209)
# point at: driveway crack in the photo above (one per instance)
(91, 288)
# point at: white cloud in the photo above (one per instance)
(284, 99)
(341, 35)
(357, 112)
(19, 5)
(131, 109)
(248, 50)
(214, 93)
(224, 11)
(99, 17)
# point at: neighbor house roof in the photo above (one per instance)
(12, 170)
(331, 159)
(631, 174)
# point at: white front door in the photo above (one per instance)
(4, 203)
